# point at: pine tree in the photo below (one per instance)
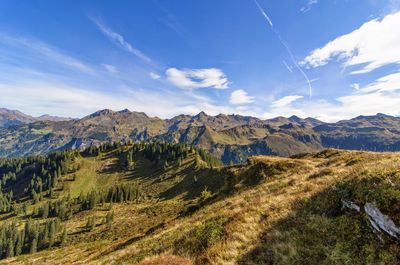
(90, 224)
(44, 236)
(64, 236)
(52, 233)
(33, 245)
(44, 211)
(19, 244)
(109, 219)
(10, 248)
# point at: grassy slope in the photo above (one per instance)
(273, 211)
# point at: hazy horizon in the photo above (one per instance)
(330, 60)
(191, 114)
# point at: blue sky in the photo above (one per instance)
(329, 59)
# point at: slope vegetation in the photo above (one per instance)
(187, 209)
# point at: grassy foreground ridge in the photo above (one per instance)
(158, 203)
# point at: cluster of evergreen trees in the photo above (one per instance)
(95, 150)
(118, 193)
(207, 158)
(62, 208)
(31, 179)
(91, 221)
(32, 237)
(160, 152)
(34, 175)
(65, 207)
(164, 153)
(50, 171)
(6, 202)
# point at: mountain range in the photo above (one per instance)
(16, 117)
(228, 137)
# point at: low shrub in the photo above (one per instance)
(201, 237)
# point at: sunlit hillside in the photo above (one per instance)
(173, 204)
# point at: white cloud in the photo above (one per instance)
(36, 98)
(197, 78)
(362, 104)
(374, 44)
(345, 107)
(356, 86)
(41, 94)
(285, 101)
(389, 82)
(240, 97)
(47, 52)
(308, 6)
(154, 76)
(110, 68)
(120, 41)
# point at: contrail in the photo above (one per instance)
(286, 47)
(287, 66)
(295, 63)
(264, 14)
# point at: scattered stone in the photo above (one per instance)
(350, 205)
(381, 222)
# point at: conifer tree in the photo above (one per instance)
(90, 224)
(19, 244)
(52, 233)
(10, 248)
(33, 245)
(64, 236)
(109, 219)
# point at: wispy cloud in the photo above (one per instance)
(240, 97)
(170, 20)
(37, 97)
(373, 45)
(285, 101)
(289, 51)
(119, 40)
(46, 51)
(110, 68)
(355, 86)
(197, 78)
(154, 76)
(308, 6)
(345, 107)
(389, 82)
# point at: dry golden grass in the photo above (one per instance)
(142, 231)
(166, 260)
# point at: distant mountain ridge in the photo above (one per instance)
(229, 137)
(16, 117)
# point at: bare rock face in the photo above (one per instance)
(381, 222)
(350, 205)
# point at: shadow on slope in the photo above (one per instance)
(321, 231)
